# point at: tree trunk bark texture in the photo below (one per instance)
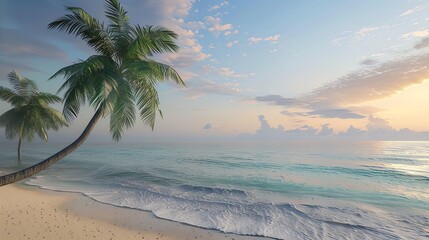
(19, 149)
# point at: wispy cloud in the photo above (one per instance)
(419, 33)
(336, 99)
(368, 62)
(216, 7)
(225, 72)
(355, 36)
(6, 67)
(227, 33)
(196, 89)
(363, 32)
(230, 44)
(255, 40)
(340, 113)
(412, 11)
(14, 43)
(424, 43)
(194, 25)
(216, 26)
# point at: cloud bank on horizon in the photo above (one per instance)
(375, 129)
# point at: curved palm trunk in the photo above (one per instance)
(19, 149)
(30, 171)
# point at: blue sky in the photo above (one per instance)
(297, 63)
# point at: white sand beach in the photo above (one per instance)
(32, 213)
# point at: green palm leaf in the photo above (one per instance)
(123, 77)
(31, 114)
(82, 24)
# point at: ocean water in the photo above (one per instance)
(283, 190)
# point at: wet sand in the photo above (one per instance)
(32, 213)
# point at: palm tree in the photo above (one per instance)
(118, 79)
(31, 113)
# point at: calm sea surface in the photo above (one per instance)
(285, 190)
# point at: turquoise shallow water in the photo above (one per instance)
(285, 190)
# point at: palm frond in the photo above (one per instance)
(22, 86)
(103, 85)
(154, 70)
(82, 24)
(90, 80)
(11, 97)
(74, 97)
(11, 120)
(46, 98)
(123, 114)
(147, 101)
(119, 27)
(151, 40)
(116, 13)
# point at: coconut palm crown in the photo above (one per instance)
(30, 114)
(118, 81)
(122, 76)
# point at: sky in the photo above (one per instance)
(253, 68)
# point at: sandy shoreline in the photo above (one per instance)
(31, 213)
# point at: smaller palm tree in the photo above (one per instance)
(31, 114)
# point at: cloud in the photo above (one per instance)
(195, 25)
(198, 88)
(326, 113)
(225, 72)
(365, 31)
(352, 132)
(266, 131)
(227, 33)
(6, 67)
(379, 82)
(412, 11)
(356, 36)
(336, 113)
(255, 40)
(293, 114)
(368, 62)
(215, 7)
(424, 43)
(207, 126)
(230, 44)
(326, 130)
(279, 100)
(420, 33)
(377, 129)
(338, 41)
(378, 125)
(216, 26)
(14, 43)
(337, 98)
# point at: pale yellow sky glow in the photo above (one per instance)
(408, 108)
